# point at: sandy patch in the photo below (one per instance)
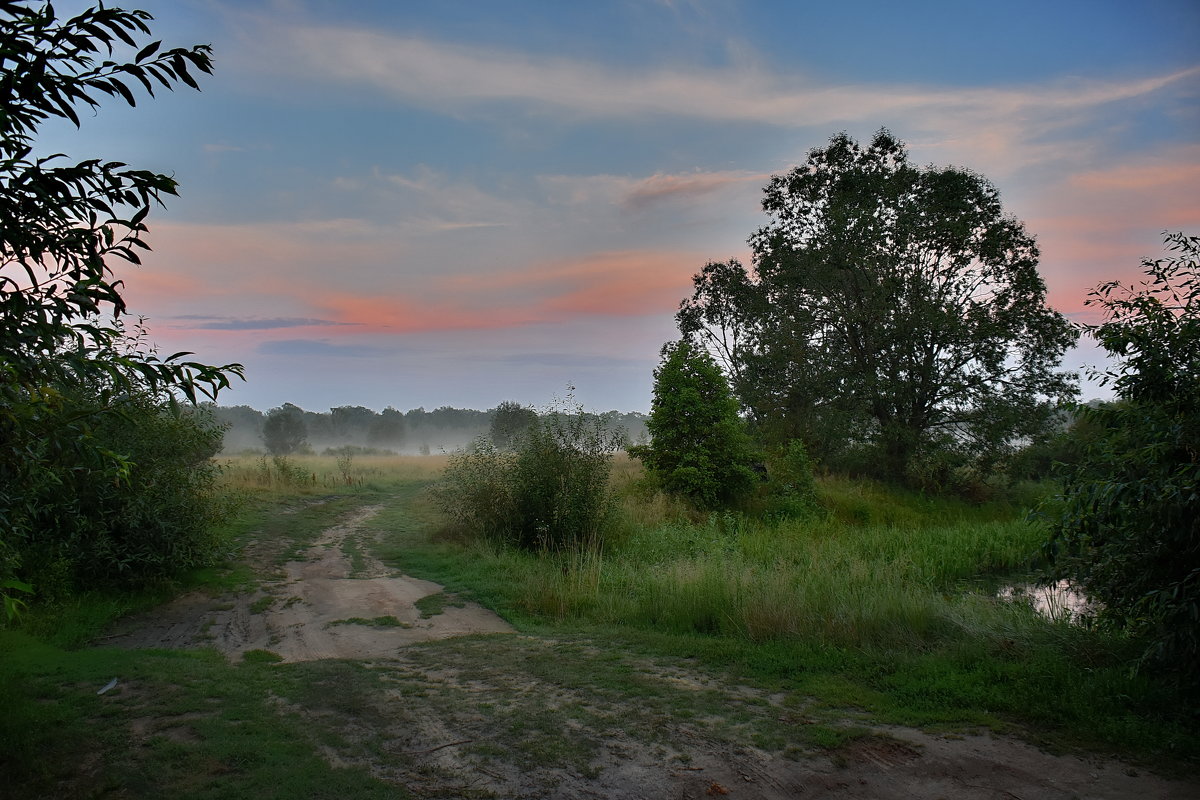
(321, 607)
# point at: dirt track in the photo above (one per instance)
(321, 608)
(462, 718)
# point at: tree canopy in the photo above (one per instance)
(890, 308)
(284, 431)
(510, 422)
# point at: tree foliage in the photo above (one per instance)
(388, 428)
(1129, 531)
(69, 374)
(699, 447)
(889, 306)
(284, 431)
(510, 422)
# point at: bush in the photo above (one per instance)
(792, 490)
(551, 493)
(146, 511)
(1128, 531)
(102, 477)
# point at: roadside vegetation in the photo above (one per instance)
(878, 606)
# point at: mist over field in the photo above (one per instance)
(415, 432)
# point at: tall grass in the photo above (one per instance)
(821, 580)
(314, 474)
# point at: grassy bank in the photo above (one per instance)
(883, 600)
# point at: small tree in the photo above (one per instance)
(1129, 531)
(511, 421)
(699, 447)
(284, 431)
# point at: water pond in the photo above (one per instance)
(1057, 601)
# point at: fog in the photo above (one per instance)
(413, 432)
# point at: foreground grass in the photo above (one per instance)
(876, 611)
(885, 602)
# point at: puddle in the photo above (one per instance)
(1059, 601)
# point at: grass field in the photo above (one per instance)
(879, 608)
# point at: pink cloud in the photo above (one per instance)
(1098, 225)
(618, 283)
(397, 314)
(683, 186)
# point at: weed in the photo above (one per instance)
(388, 621)
(433, 604)
(262, 604)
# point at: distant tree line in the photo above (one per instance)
(291, 429)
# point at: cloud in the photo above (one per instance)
(572, 361)
(639, 193)
(660, 186)
(317, 347)
(1098, 225)
(613, 283)
(230, 324)
(442, 73)
(996, 128)
(406, 314)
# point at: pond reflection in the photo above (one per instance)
(1058, 601)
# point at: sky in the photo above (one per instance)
(461, 203)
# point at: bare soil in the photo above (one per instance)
(450, 702)
(321, 607)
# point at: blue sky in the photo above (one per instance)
(459, 203)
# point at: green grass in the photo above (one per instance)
(877, 611)
(883, 603)
(178, 724)
(387, 621)
(433, 604)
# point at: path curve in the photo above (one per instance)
(322, 607)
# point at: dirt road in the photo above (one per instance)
(444, 699)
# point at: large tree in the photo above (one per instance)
(890, 306)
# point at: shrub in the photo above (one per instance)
(792, 489)
(149, 512)
(551, 493)
(1128, 530)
